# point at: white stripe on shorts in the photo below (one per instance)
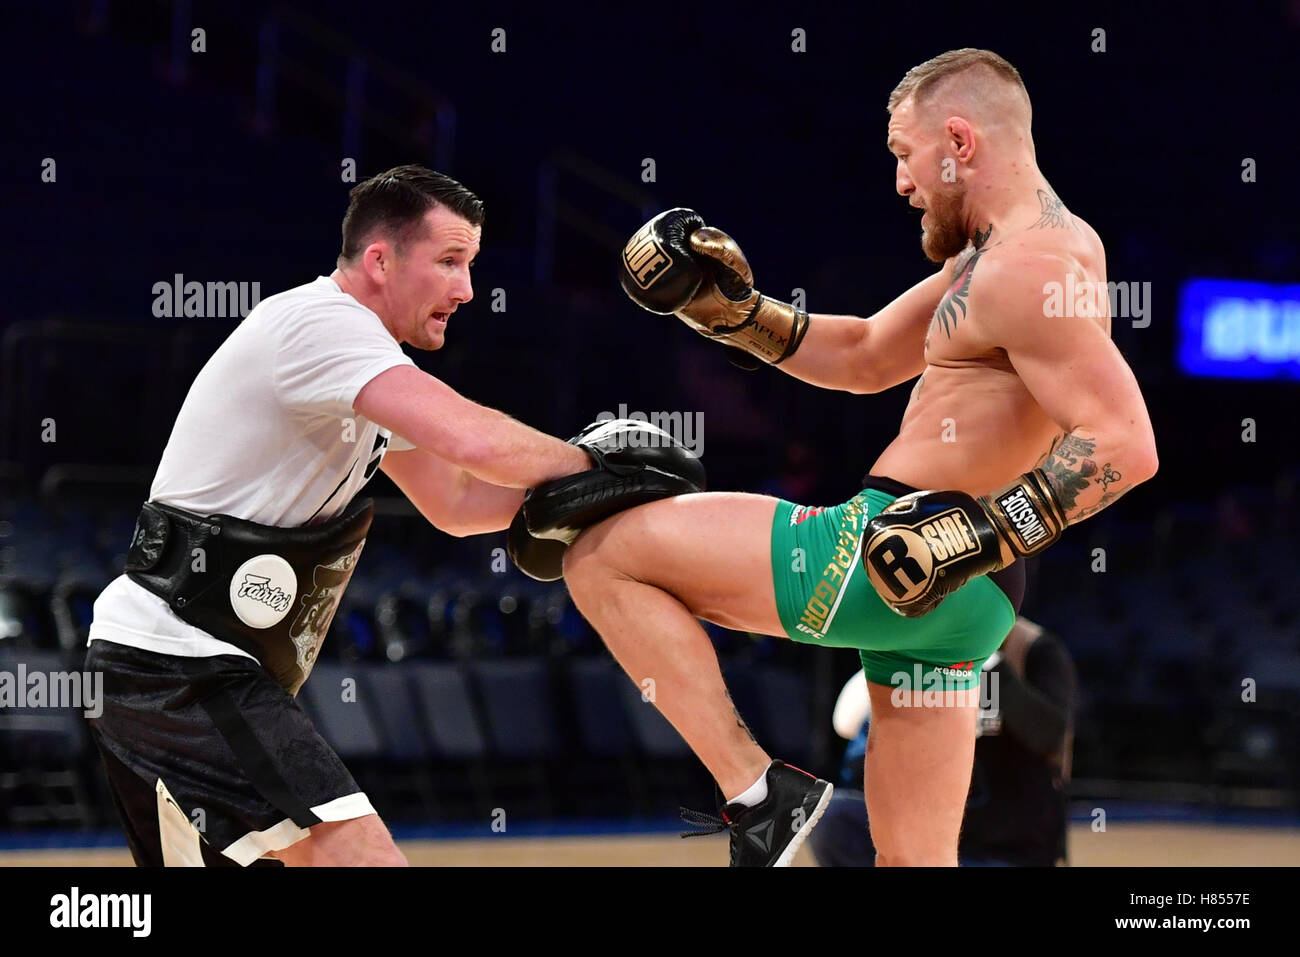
(180, 841)
(844, 585)
(257, 844)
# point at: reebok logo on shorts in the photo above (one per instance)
(801, 513)
(962, 669)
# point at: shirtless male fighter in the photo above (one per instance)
(1027, 420)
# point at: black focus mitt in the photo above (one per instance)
(635, 462)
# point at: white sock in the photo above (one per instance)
(756, 793)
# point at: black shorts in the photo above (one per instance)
(209, 760)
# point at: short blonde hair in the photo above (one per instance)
(922, 79)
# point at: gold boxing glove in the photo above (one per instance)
(728, 307)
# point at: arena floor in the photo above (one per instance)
(1124, 844)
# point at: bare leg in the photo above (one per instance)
(360, 842)
(642, 578)
(918, 773)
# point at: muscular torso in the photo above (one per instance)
(971, 424)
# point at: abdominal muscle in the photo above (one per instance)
(972, 427)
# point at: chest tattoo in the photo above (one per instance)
(952, 307)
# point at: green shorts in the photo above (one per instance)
(825, 598)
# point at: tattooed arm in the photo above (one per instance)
(1077, 375)
(870, 355)
(1084, 486)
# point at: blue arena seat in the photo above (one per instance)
(519, 706)
(653, 734)
(391, 691)
(785, 703)
(445, 705)
(339, 702)
(596, 685)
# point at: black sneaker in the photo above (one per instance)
(770, 833)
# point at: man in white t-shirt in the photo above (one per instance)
(281, 429)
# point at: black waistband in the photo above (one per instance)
(1010, 579)
(887, 485)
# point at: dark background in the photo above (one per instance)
(161, 174)
(225, 166)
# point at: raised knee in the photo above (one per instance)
(585, 561)
(577, 555)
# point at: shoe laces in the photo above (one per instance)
(703, 822)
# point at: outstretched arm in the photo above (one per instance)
(484, 442)
(451, 498)
(873, 354)
(676, 264)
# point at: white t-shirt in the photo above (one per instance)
(267, 433)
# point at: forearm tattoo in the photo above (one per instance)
(1068, 464)
(1073, 472)
(1108, 477)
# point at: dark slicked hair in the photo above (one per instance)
(393, 205)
